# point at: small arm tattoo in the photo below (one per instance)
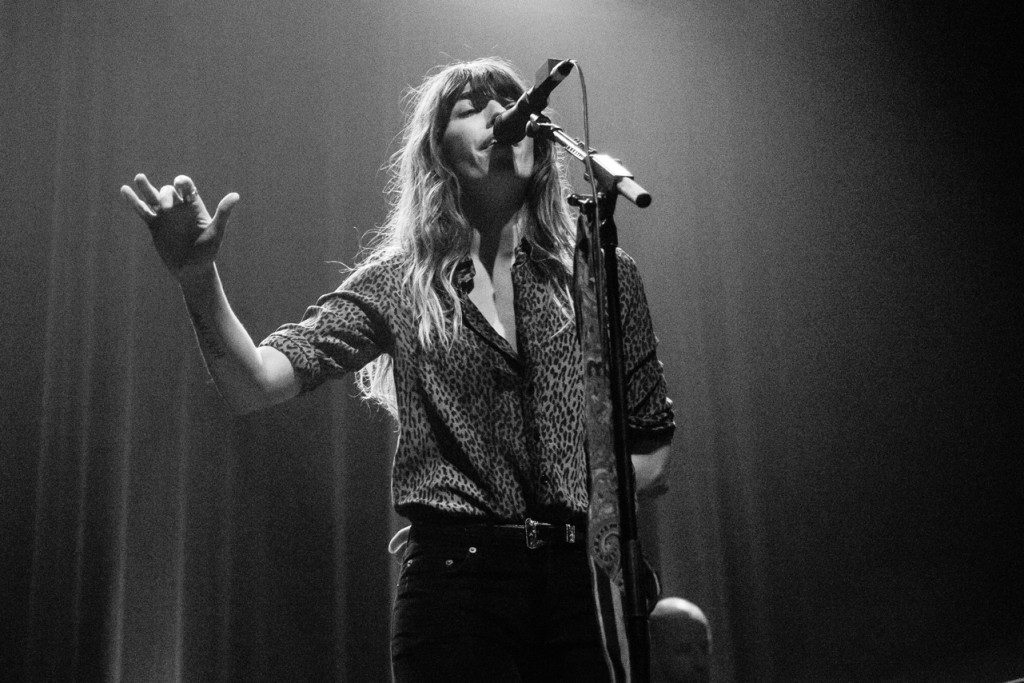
(208, 338)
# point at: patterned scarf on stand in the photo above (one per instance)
(603, 512)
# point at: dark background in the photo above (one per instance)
(832, 261)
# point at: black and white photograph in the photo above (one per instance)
(414, 341)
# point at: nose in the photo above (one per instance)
(493, 110)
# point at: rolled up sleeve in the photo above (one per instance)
(341, 333)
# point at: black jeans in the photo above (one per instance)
(476, 606)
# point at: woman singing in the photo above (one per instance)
(460, 320)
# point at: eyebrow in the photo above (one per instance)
(483, 95)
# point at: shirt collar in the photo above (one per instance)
(462, 276)
(465, 271)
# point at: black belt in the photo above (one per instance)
(534, 534)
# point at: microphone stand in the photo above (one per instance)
(613, 179)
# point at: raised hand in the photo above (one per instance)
(186, 237)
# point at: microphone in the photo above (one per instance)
(510, 125)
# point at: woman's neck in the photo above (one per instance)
(495, 230)
(494, 245)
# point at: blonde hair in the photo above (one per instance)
(426, 232)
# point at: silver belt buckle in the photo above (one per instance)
(530, 527)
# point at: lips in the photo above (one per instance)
(491, 142)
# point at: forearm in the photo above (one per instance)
(248, 377)
(650, 467)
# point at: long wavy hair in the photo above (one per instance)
(428, 235)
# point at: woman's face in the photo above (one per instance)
(469, 148)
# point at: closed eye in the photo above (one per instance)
(465, 107)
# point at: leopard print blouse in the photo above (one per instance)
(485, 432)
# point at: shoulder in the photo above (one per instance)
(632, 293)
(372, 289)
(625, 260)
(377, 273)
(629, 271)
